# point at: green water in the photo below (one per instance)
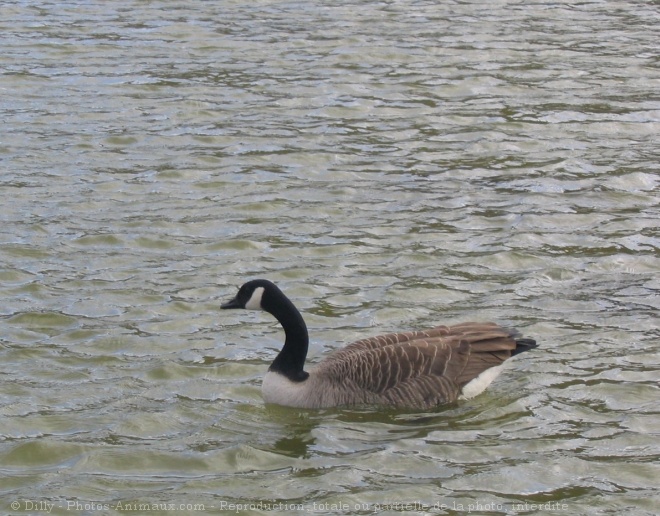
(392, 166)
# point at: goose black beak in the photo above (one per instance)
(234, 303)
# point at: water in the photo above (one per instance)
(391, 166)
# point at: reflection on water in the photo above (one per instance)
(392, 166)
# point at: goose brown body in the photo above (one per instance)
(418, 369)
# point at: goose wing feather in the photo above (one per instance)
(457, 330)
(387, 340)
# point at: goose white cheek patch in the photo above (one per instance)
(254, 303)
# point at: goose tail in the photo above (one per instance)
(523, 345)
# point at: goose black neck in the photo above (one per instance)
(290, 361)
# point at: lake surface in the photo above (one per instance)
(392, 166)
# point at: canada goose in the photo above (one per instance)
(418, 369)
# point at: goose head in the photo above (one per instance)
(252, 295)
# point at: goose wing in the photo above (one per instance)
(420, 369)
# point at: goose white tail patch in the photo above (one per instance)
(254, 303)
(479, 384)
